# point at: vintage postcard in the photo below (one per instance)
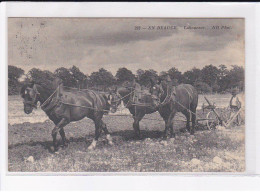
(126, 95)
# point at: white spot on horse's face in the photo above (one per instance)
(110, 97)
(154, 87)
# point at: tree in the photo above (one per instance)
(236, 77)
(43, 78)
(123, 74)
(79, 76)
(139, 73)
(192, 76)
(222, 78)
(67, 76)
(210, 75)
(222, 71)
(174, 73)
(146, 77)
(102, 78)
(14, 73)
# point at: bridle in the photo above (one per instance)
(34, 99)
(161, 93)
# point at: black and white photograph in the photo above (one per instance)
(126, 95)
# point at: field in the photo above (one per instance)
(29, 141)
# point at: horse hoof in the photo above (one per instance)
(164, 137)
(91, 147)
(172, 136)
(53, 149)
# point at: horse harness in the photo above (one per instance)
(34, 99)
(169, 95)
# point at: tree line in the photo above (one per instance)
(209, 79)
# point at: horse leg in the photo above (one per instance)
(169, 125)
(165, 118)
(97, 133)
(172, 132)
(108, 137)
(56, 129)
(64, 139)
(193, 120)
(136, 126)
(187, 115)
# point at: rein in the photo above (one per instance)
(123, 97)
(48, 98)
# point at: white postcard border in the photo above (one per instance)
(177, 181)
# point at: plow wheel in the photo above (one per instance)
(212, 120)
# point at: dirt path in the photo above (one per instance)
(206, 151)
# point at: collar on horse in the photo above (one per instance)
(169, 95)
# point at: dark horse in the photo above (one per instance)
(182, 98)
(138, 101)
(64, 106)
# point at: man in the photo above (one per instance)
(235, 103)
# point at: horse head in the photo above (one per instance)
(114, 99)
(30, 96)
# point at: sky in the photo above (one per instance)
(111, 43)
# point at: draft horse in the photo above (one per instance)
(129, 92)
(182, 98)
(63, 107)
